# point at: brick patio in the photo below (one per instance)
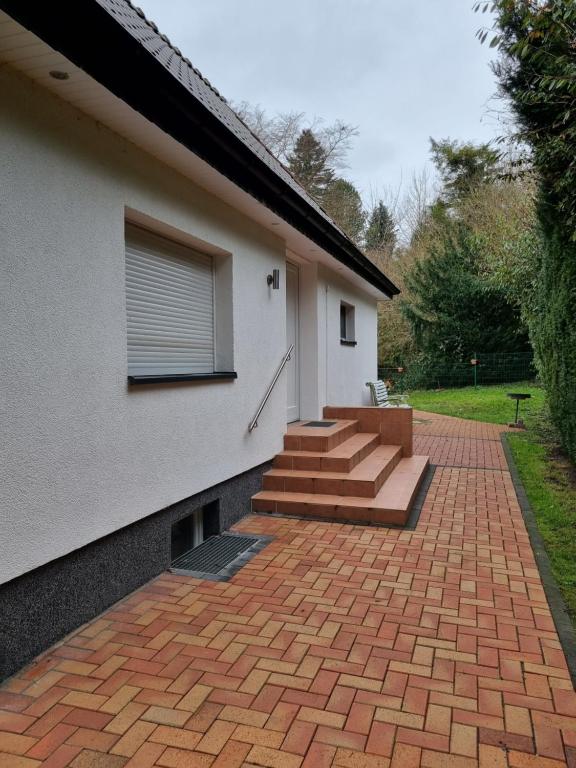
(337, 645)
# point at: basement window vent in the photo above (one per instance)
(219, 557)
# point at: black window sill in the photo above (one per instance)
(172, 378)
(348, 343)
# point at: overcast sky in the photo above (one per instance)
(400, 70)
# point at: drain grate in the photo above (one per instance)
(319, 424)
(220, 556)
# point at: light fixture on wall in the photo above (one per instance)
(274, 279)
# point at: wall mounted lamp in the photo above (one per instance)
(274, 279)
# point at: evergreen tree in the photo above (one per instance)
(453, 310)
(343, 203)
(308, 163)
(381, 230)
(462, 167)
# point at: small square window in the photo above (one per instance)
(347, 330)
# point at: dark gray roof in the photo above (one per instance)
(148, 35)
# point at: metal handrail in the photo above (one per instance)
(254, 423)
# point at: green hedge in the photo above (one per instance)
(553, 334)
(537, 71)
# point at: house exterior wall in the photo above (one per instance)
(346, 369)
(84, 454)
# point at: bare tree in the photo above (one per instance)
(408, 205)
(337, 141)
(280, 132)
(415, 204)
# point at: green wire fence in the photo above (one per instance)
(488, 368)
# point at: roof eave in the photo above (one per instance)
(128, 71)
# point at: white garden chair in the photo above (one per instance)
(382, 399)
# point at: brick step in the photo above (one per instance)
(321, 439)
(343, 458)
(391, 504)
(365, 479)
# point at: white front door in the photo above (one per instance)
(292, 367)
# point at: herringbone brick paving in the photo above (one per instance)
(461, 451)
(337, 645)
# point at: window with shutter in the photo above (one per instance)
(170, 306)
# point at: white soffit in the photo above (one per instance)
(28, 54)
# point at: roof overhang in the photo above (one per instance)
(117, 81)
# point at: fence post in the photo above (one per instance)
(474, 364)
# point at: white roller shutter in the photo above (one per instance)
(170, 306)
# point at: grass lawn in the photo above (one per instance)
(550, 482)
(548, 477)
(488, 403)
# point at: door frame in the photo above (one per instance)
(291, 266)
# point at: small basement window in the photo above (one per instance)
(347, 329)
(192, 530)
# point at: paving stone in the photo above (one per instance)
(338, 646)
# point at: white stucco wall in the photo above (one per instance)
(81, 453)
(344, 370)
